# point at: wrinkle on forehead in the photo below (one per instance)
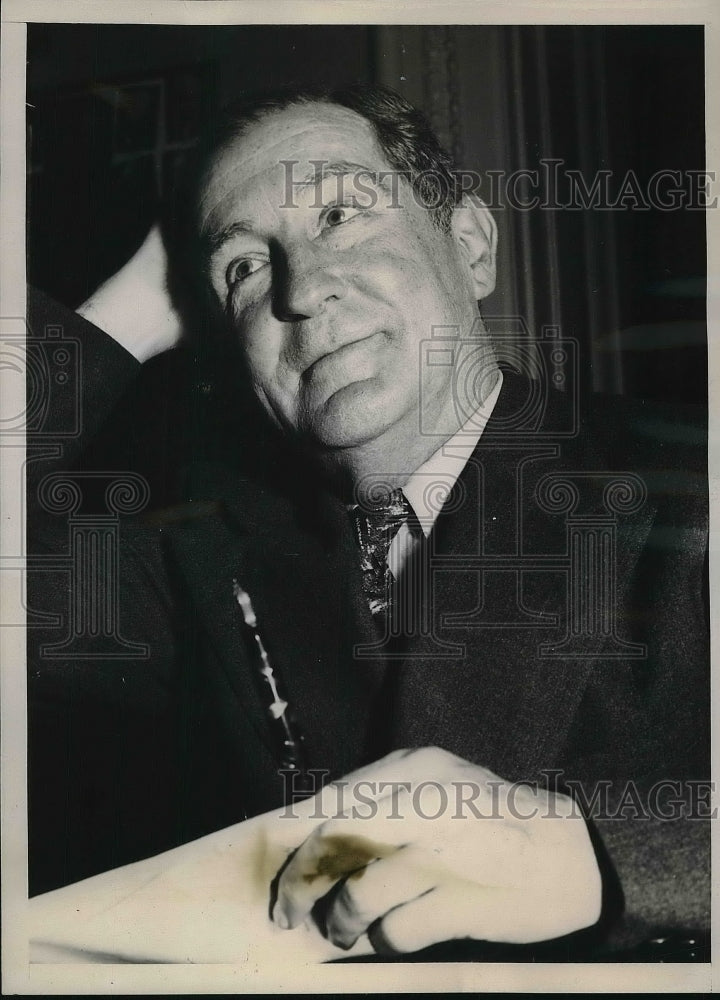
(252, 145)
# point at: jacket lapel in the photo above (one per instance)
(293, 563)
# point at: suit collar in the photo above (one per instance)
(442, 470)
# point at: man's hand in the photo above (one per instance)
(424, 847)
(134, 306)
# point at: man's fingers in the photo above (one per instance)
(459, 909)
(377, 889)
(325, 858)
(446, 913)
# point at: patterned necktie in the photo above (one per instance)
(375, 528)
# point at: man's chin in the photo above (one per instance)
(351, 417)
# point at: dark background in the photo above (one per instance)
(115, 112)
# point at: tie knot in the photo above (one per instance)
(387, 506)
(381, 518)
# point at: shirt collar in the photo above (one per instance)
(429, 486)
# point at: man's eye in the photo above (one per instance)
(337, 214)
(241, 269)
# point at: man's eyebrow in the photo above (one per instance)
(215, 240)
(323, 168)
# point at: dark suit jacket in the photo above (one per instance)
(131, 755)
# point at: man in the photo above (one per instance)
(335, 247)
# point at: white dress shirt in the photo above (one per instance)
(429, 486)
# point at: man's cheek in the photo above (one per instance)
(250, 310)
(280, 407)
(384, 263)
(261, 343)
(410, 288)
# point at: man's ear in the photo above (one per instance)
(475, 233)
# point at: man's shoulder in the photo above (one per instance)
(616, 430)
(664, 444)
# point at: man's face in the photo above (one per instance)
(331, 290)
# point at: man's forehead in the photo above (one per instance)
(304, 135)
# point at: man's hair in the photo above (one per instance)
(403, 133)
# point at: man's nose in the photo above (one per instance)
(307, 280)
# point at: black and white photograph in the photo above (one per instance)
(356, 565)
